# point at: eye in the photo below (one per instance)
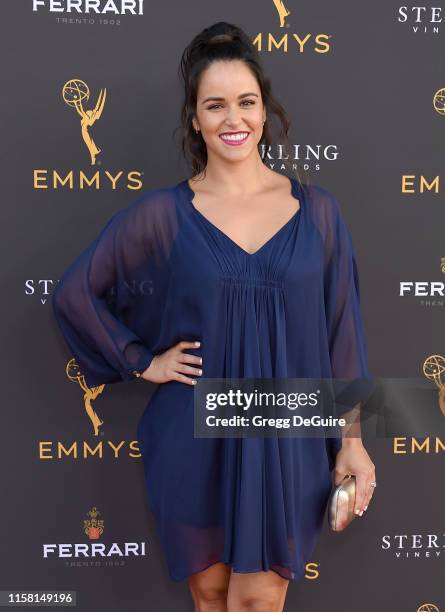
(247, 102)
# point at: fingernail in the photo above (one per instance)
(200, 372)
(366, 507)
(357, 511)
(195, 381)
(197, 343)
(360, 513)
(200, 360)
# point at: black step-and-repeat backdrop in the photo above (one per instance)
(365, 88)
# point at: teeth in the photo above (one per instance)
(235, 136)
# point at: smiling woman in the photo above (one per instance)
(235, 272)
(235, 119)
(234, 82)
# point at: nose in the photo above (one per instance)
(234, 118)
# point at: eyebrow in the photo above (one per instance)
(221, 99)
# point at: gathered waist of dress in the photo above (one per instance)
(257, 282)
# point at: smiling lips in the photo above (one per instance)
(234, 139)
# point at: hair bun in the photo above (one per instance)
(217, 38)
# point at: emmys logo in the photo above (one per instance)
(426, 445)
(75, 375)
(439, 101)
(267, 41)
(434, 368)
(75, 93)
(50, 450)
(282, 11)
(411, 183)
(428, 607)
(93, 528)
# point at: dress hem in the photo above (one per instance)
(296, 576)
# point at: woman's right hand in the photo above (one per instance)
(172, 364)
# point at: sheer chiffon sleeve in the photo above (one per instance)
(347, 341)
(104, 303)
(344, 325)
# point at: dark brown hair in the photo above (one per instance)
(225, 42)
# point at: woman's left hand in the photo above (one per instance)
(353, 459)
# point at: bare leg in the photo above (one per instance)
(256, 592)
(209, 588)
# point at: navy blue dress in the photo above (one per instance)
(160, 272)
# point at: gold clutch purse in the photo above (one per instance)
(341, 504)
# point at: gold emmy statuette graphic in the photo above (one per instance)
(439, 101)
(74, 92)
(428, 608)
(442, 264)
(75, 375)
(93, 527)
(283, 12)
(434, 369)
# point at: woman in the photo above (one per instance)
(237, 272)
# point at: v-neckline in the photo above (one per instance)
(295, 192)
